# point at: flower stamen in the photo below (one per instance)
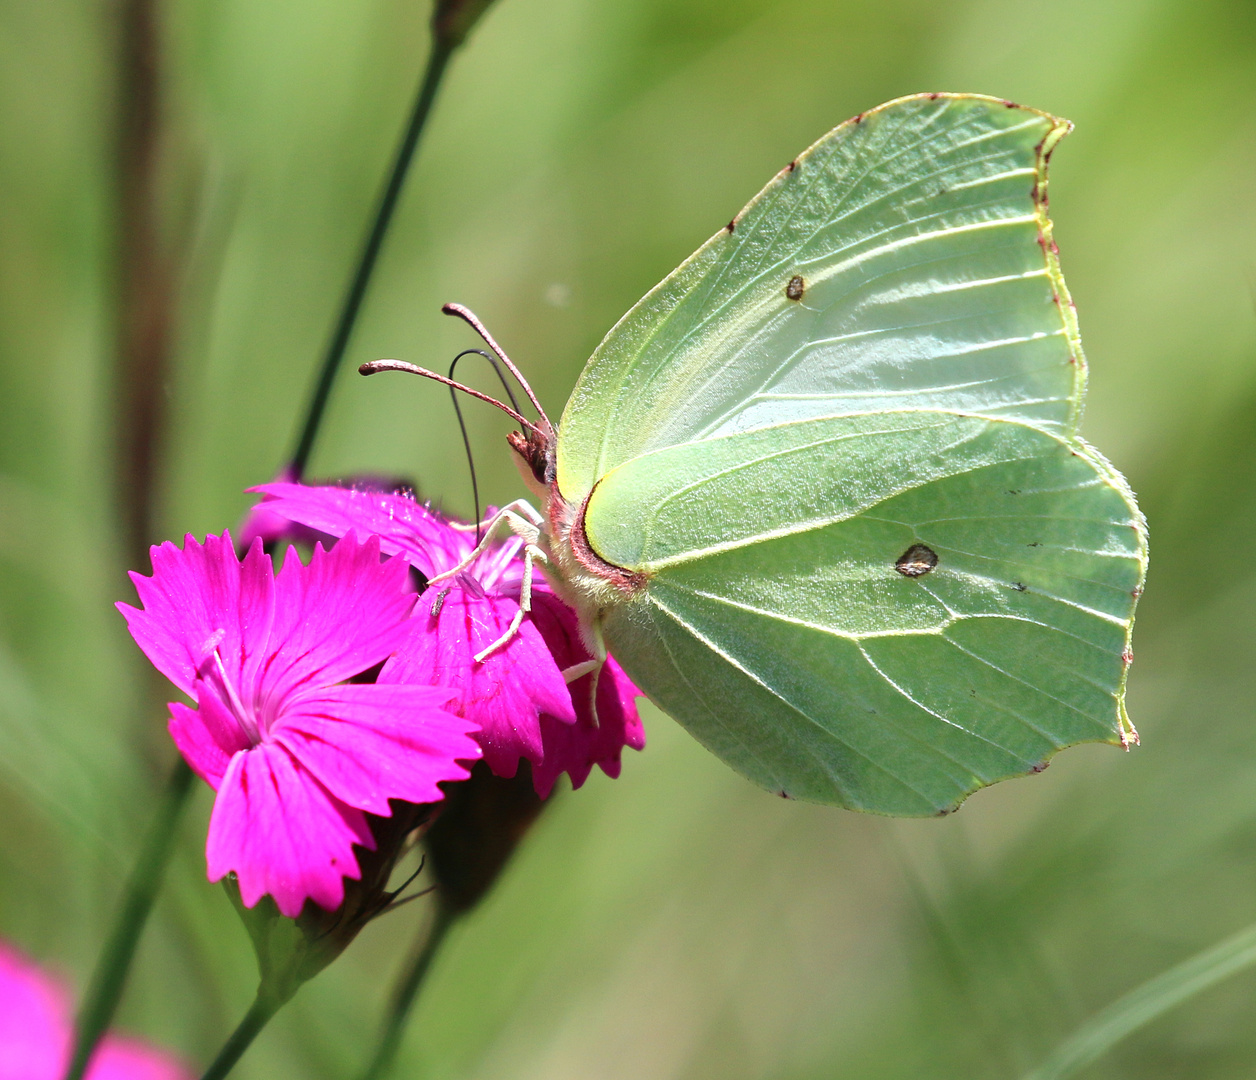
(242, 715)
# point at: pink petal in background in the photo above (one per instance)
(35, 1033)
(404, 526)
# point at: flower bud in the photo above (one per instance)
(292, 951)
(453, 19)
(480, 824)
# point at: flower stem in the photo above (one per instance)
(437, 61)
(115, 959)
(407, 992)
(259, 1014)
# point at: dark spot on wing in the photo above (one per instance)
(916, 561)
(796, 287)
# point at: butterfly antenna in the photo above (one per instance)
(469, 317)
(466, 439)
(374, 367)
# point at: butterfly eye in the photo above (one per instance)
(796, 287)
(917, 560)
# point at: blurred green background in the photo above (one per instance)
(676, 923)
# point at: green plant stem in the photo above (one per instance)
(407, 992)
(437, 62)
(258, 1016)
(1147, 1002)
(115, 959)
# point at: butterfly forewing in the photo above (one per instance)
(916, 243)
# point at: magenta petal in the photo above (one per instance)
(271, 528)
(128, 1059)
(403, 526)
(34, 1021)
(335, 618)
(371, 743)
(199, 601)
(206, 736)
(576, 748)
(262, 522)
(506, 694)
(35, 1033)
(282, 832)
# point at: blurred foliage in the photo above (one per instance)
(676, 923)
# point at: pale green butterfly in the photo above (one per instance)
(821, 491)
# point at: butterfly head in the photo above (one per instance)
(534, 454)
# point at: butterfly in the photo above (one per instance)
(821, 491)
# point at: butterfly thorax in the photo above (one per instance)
(594, 580)
(582, 578)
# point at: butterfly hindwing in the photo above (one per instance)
(913, 614)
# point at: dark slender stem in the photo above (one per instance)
(115, 959)
(258, 1016)
(407, 992)
(144, 274)
(437, 61)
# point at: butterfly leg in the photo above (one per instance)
(521, 518)
(530, 553)
(520, 506)
(591, 638)
(591, 635)
(579, 671)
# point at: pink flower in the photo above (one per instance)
(297, 755)
(35, 1033)
(517, 694)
